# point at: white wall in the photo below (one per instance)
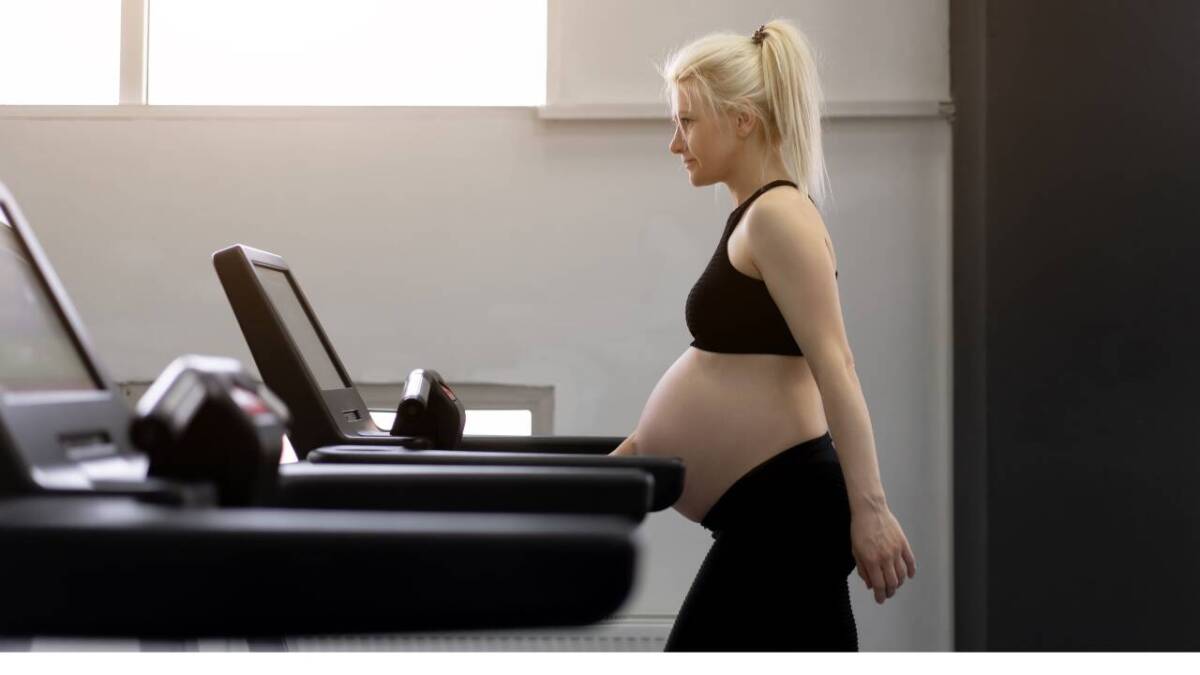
(867, 50)
(532, 251)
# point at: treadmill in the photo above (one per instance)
(331, 423)
(92, 545)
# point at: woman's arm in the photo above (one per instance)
(788, 247)
(850, 428)
(787, 243)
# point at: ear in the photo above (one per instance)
(744, 124)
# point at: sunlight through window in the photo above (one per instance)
(479, 422)
(347, 52)
(60, 52)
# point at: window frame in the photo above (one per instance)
(134, 14)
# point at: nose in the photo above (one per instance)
(677, 145)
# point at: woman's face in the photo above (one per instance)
(705, 147)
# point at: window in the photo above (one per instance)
(494, 409)
(479, 422)
(60, 52)
(347, 52)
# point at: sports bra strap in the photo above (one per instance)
(759, 191)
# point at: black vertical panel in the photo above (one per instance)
(1091, 156)
(968, 83)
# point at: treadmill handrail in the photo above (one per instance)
(625, 492)
(667, 472)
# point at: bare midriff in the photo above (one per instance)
(724, 414)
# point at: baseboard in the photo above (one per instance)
(633, 634)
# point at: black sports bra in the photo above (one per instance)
(732, 313)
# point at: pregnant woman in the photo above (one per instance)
(765, 407)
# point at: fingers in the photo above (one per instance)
(862, 572)
(895, 568)
(889, 576)
(878, 583)
(900, 569)
(885, 577)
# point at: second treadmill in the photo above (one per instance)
(331, 423)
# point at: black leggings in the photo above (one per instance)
(775, 577)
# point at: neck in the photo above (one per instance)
(751, 174)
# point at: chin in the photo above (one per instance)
(700, 180)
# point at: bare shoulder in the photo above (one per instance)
(783, 219)
(786, 207)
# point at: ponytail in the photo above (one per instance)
(794, 98)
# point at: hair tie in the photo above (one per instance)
(760, 35)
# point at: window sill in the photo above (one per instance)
(833, 110)
(236, 112)
(846, 110)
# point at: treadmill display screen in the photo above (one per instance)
(36, 349)
(287, 302)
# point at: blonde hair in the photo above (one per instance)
(772, 76)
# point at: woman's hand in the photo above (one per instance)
(881, 551)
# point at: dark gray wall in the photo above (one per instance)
(1077, 245)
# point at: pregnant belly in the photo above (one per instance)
(724, 414)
